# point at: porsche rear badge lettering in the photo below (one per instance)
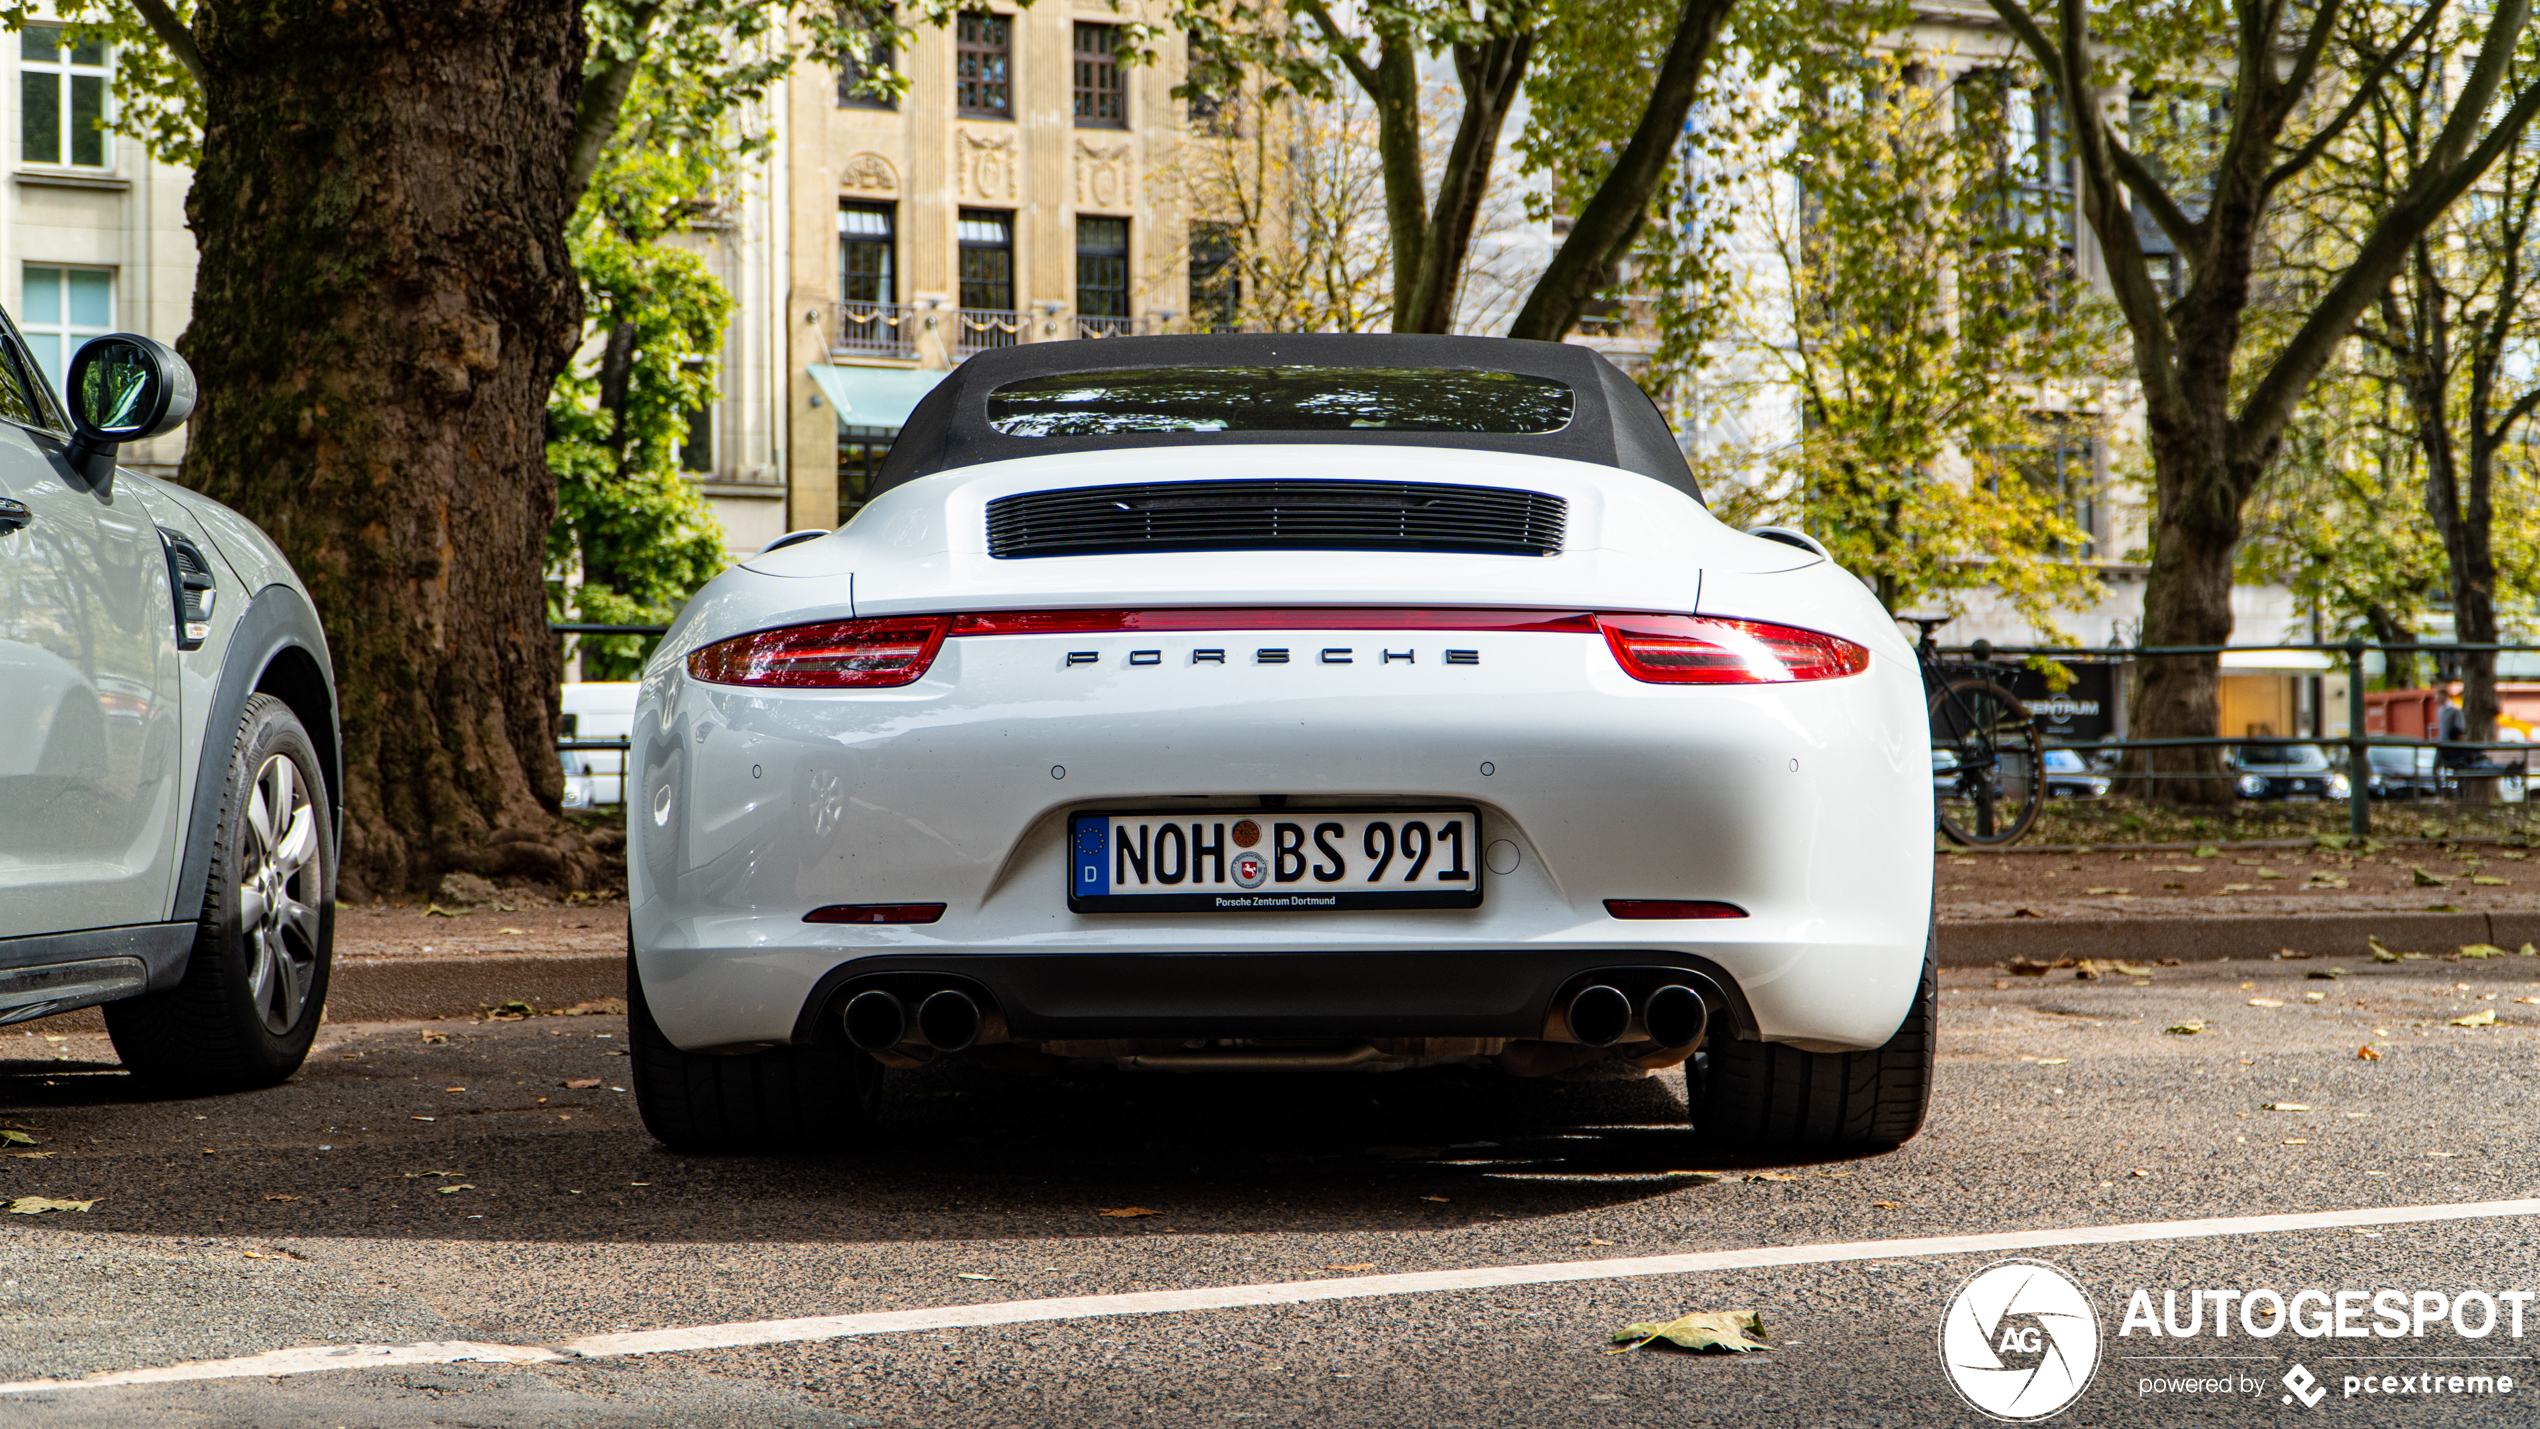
(1278, 655)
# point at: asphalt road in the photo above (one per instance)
(408, 1189)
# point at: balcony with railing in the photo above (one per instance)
(873, 329)
(978, 329)
(1107, 327)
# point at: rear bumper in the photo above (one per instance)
(1808, 806)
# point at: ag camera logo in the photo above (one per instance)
(2019, 1341)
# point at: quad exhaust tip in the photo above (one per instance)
(1599, 1015)
(947, 1020)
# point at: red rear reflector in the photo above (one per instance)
(876, 913)
(1254, 617)
(832, 655)
(1702, 650)
(1671, 908)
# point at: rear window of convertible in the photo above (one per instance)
(1279, 399)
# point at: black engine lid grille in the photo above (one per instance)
(1277, 516)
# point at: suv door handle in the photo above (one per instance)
(13, 514)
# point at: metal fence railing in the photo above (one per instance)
(2454, 761)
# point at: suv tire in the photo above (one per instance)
(255, 983)
(1769, 1098)
(819, 1096)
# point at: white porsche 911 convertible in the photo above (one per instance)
(1283, 702)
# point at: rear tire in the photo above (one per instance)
(1768, 1098)
(815, 1097)
(255, 983)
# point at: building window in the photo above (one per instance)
(63, 308)
(854, 70)
(1217, 283)
(987, 260)
(1102, 276)
(860, 453)
(1101, 101)
(696, 445)
(865, 245)
(1214, 87)
(983, 65)
(61, 99)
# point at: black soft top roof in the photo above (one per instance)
(1612, 422)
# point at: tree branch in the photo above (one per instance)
(603, 99)
(2271, 401)
(174, 34)
(2187, 233)
(1342, 47)
(2367, 88)
(1610, 223)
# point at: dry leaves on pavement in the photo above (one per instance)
(12, 1137)
(582, 1083)
(2185, 1029)
(2365, 1053)
(1732, 1332)
(38, 1205)
(1126, 1213)
(2485, 1018)
(2286, 1106)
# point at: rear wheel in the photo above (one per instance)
(1766, 1097)
(815, 1097)
(248, 1008)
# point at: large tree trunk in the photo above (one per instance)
(1490, 75)
(383, 300)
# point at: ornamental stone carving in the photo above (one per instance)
(1104, 178)
(988, 167)
(869, 174)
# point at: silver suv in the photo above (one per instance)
(169, 793)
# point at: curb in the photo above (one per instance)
(1983, 942)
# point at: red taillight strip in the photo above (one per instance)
(876, 913)
(1640, 908)
(1256, 617)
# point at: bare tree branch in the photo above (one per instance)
(2368, 87)
(174, 34)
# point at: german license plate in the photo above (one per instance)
(1274, 860)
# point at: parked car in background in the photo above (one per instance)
(2403, 771)
(2276, 769)
(2069, 776)
(169, 800)
(596, 709)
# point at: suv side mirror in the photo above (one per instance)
(123, 388)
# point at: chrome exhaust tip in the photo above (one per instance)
(876, 1021)
(1598, 1015)
(1674, 1016)
(948, 1021)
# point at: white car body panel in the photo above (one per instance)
(1807, 804)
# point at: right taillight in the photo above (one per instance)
(832, 655)
(1705, 650)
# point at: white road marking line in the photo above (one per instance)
(316, 1358)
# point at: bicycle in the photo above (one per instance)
(1988, 756)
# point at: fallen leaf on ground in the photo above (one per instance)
(435, 1039)
(1732, 1332)
(2185, 1029)
(38, 1205)
(973, 1275)
(2286, 1106)
(454, 1089)
(2315, 997)
(2295, 1141)
(2176, 867)
(420, 1118)
(2485, 880)
(1434, 1198)
(282, 1198)
(15, 1138)
(2380, 954)
(435, 910)
(1883, 1205)
(2132, 969)
(2052, 1061)
(2139, 1171)
(2418, 877)
(1772, 1176)
(2264, 1002)
(2365, 1053)
(582, 1083)
(454, 1190)
(2030, 967)
(2486, 1018)
(2326, 973)
(603, 1007)
(208, 1151)
(2481, 950)
(29, 1155)
(1598, 1240)
(2208, 851)
(2527, 999)
(1357, 1265)
(515, 932)
(2086, 970)
(1128, 1213)
(510, 1012)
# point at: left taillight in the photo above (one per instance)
(831, 655)
(1704, 650)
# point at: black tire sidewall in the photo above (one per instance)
(269, 728)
